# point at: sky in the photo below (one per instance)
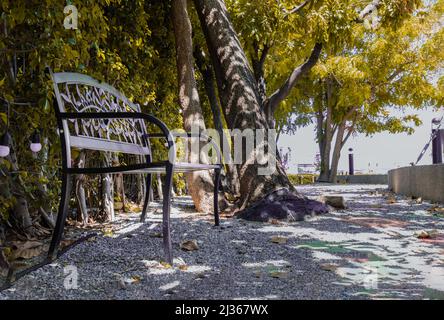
(378, 154)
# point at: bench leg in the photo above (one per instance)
(61, 216)
(147, 197)
(166, 214)
(216, 196)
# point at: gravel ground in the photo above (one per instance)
(369, 251)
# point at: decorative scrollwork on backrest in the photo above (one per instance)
(78, 97)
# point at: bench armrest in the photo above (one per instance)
(202, 137)
(190, 135)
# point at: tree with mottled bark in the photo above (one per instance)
(200, 183)
(262, 196)
(206, 70)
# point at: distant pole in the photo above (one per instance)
(437, 147)
(437, 142)
(351, 165)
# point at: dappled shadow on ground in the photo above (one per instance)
(235, 261)
(367, 251)
(384, 252)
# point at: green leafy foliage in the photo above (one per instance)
(382, 61)
(380, 71)
(128, 44)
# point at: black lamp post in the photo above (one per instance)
(351, 165)
(437, 142)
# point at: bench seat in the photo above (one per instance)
(179, 167)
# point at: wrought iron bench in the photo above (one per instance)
(95, 116)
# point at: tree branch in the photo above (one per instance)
(258, 61)
(389, 79)
(349, 133)
(279, 95)
(350, 112)
(295, 9)
(351, 127)
(264, 54)
(47, 218)
(260, 56)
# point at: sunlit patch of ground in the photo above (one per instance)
(369, 251)
(383, 252)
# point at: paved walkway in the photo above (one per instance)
(370, 250)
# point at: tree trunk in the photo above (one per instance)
(119, 186)
(151, 193)
(336, 153)
(258, 61)
(320, 132)
(282, 93)
(45, 209)
(264, 194)
(159, 187)
(327, 136)
(80, 189)
(21, 215)
(231, 177)
(141, 189)
(325, 158)
(108, 193)
(200, 184)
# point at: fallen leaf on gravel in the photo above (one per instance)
(423, 235)
(27, 250)
(275, 221)
(279, 274)
(278, 239)
(151, 264)
(183, 267)
(165, 264)
(108, 233)
(156, 235)
(134, 279)
(329, 267)
(189, 245)
(427, 234)
(391, 200)
(436, 210)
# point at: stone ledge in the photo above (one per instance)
(426, 182)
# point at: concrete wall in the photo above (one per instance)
(364, 179)
(426, 182)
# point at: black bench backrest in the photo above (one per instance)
(78, 93)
